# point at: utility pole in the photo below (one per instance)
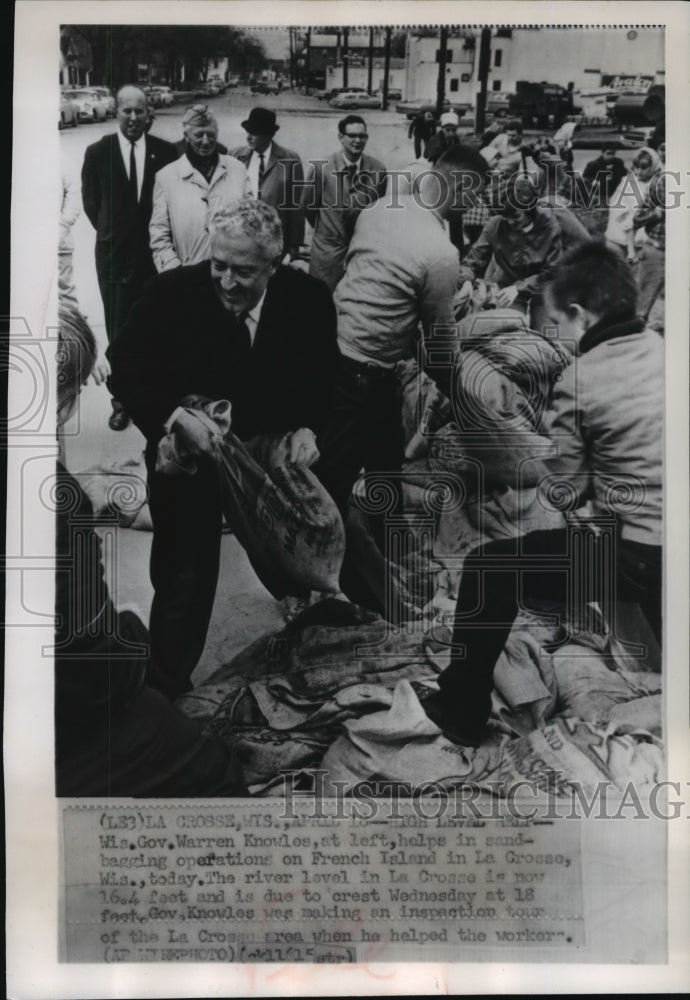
(441, 85)
(346, 57)
(307, 61)
(370, 77)
(483, 74)
(386, 68)
(292, 59)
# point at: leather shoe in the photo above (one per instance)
(118, 421)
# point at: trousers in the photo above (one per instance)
(502, 576)
(185, 557)
(364, 433)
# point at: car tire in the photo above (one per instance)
(75, 121)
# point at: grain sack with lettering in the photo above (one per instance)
(280, 513)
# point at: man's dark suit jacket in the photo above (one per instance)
(180, 340)
(281, 187)
(122, 234)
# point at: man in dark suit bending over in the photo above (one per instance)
(117, 191)
(238, 327)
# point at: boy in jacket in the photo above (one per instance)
(606, 425)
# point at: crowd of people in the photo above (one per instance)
(201, 260)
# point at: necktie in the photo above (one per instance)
(262, 167)
(133, 184)
(244, 337)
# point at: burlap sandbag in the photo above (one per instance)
(280, 513)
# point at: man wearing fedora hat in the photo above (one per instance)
(189, 191)
(275, 174)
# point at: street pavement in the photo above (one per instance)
(244, 610)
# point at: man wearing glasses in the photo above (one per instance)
(335, 192)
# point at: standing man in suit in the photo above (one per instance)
(238, 327)
(117, 190)
(275, 173)
(335, 192)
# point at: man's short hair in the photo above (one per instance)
(252, 218)
(130, 86)
(596, 277)
(350, 120)
(513, 125)
(76, 353)
(459, 157)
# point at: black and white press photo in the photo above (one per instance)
(359, 608)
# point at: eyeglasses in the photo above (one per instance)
(356, 135)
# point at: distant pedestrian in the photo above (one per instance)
(604, 174)
(505, 154)
(628, 197)
(335, 192)
(275, 174)
(422, 129)
(446, 137)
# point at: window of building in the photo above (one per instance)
(454, 83)
(496, 85)
(498, 57)
(449, 55)
(504, 33)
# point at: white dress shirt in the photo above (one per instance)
(253, 316)
(253, 167)
(139, 157)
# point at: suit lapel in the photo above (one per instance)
(117, 164)
(150, 163)
(273, 159)
(267, 321)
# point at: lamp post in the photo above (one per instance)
(386, 68)
(441, 84)
(483, 74)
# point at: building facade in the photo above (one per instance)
(584, 58)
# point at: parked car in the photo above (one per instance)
(412, 108)
(216, 85)
(107, 98)
(355, 99)
(163, 96)
(498, 103)
(90, 107)
(265, 87)
(393, 94)
(330, 92)
(69, 115)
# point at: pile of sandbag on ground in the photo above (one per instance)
(339, 691)
(283, 517)
(118, 492)
(468, 463)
